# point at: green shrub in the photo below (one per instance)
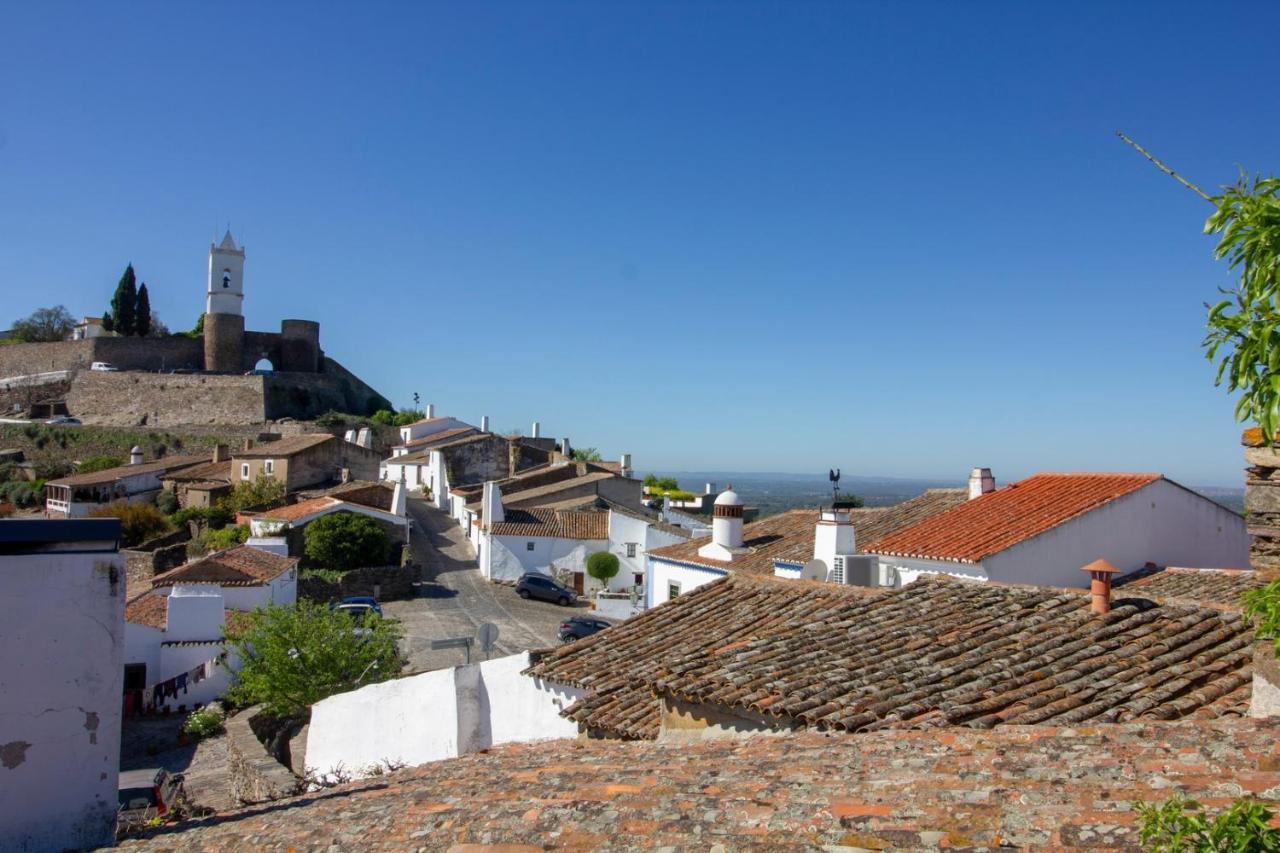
(224, 538)
(52, 469)
(408, 416)
(346, 540)
(204, 723)
(167, 502)
(1179, 824)
(295, 655)
(214, 517)
(385, 417)
(329, 575)
(138, 522)
(262, 493)
(602, 566)
(99, 463)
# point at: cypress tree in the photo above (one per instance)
(142, 314)
(125, 303)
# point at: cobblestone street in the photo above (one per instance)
(456, 600)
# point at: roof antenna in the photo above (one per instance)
(833, 474)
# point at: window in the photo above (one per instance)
(226, 278)
(528, 546)
(269, 467)
(673, 589)
(631, 549)
(244, 471)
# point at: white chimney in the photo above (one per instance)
(431, 410)
(536, 432)
(399, 499)
(981, 482)
(834, 536)
(709, 489)
(135, 455)
(624, 464)
(491, 504)
(484, 423)
(565, 449)
(726, 524)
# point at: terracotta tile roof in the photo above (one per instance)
(539, 495)
(284, 447)
(239, 566)
(768, 539)
(208, 472)
(564, 524)
(938, 652)
(110, 475)
(1017, 787)
(1222, 587)
(301, 509)
(151, 608)
(420, 457)
(371, 493)
(976, 529)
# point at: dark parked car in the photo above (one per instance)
(357, 604)
(577, 627)
(534, 585)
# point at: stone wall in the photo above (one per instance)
(309, 395)
(159, 556)
(161, 354)
(24, 359)
(154, 399)
(393, 583)
(255, 775)
(477, 461)
(1262, 501)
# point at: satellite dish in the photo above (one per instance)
(488, 636)
(814, 570)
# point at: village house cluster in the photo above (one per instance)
(959, 616)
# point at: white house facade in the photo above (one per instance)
(61, 648)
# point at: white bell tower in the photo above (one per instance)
(226, 278)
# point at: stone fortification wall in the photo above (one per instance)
(155, 399)
(25, 359)
(309, 395)
(150, 353)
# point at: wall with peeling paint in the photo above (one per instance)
(61, 645)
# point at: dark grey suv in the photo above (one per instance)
(534, 585)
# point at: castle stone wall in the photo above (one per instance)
(26, 359)
(157, 399)
(224, 343)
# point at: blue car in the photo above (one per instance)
(357, 605)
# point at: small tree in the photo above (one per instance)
(138, 522)
(408, 416)
(295, 655)
(603, 566)
(45, 324)
(124, 305)
(346, 540)
(142, 313)
(585, 454)
(262, 493)
(99, 463)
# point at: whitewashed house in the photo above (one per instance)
(78, 495)
(61, 649)
(422, 434)
(1041, 530)
(279, 522)
(178, 626)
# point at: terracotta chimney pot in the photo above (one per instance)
(1100, 572)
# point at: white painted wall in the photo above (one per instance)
(413, 432)
(437, 715)
(508, 557)
(1162, 523)
(626, 528)
(61, 671)
(661, 574)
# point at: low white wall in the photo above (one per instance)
(436, 715)
(661, 574)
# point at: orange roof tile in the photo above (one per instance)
(240, 566)
(987, 525)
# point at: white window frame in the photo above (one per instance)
(673, 589)
(244, 470)
(631, 550)
(269, 466)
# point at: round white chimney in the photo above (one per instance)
(135, 455)
(726, 519)
(981, 482)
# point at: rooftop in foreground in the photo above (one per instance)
(1025, 787)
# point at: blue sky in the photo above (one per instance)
(896, 238)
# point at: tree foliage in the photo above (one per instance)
(603, 566)
(1244, 328)
(1179, 824)
(138, 522)
(142, 313)
(99, 463)
(262, 493)
(585, 454)
(295, 655)
(45, 324)
(661, 485)
(346, 540)
(124, 305)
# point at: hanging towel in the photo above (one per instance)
(181, 684)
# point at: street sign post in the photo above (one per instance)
(454, 643)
